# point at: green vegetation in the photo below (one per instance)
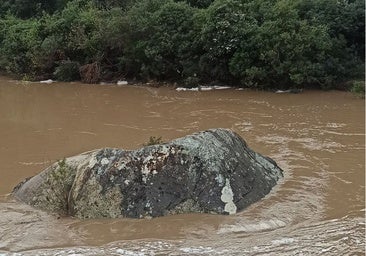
(358, 88)
(53, 194)
(248, 43)
(153, 141)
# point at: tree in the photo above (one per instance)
(31, 8)
(283, 51)
(109, 4)
(344, 19)
(198, 3)
(161, 40)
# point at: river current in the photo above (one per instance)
(316, 137)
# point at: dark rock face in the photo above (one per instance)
(212, 171)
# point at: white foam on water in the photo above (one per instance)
(197, 250)
(283, 241)
(122, 83)
(129, 253)
(252, 227)
(49, 81)
(202, 88)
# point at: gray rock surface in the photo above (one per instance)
(212, 172)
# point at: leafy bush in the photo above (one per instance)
(198, 3)
(19, 41)
(272, 44)
(283, 51)
(67, 71)
(37, 46)
(345, 20)
(30, 8)
(153, 141)
(162, 40)
(358, 88)
(108, 4)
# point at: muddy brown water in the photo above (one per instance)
(318, 138)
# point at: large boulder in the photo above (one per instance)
(212, 172)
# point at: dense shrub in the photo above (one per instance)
(282, 50)
(344, 19)
(19, 41)
(252, 43)
(31, 8)
(37, 46)
(222, 33)
(163, 40)
(108, 4)
(67, 71)
(358, 88)
(198, 3)
(266, 44)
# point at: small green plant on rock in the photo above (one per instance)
(58, 182)
(153, 141)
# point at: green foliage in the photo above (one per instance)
(358, 88)
(53, 194)
(31, 8)
(108, 4)
(19, 39)
(252, 43)
(67, 71)
(227, 25)
(344, 19)
(153, 141)
(271, 44)
(191, 81)
(163, 40)
(41, 47)
(282, 51)
(198, 3)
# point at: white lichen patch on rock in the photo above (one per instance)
(152, 162)
(145, 170)
(220, 179)
(164, 149)
(121, 165)
(104, 161)
(227, 197)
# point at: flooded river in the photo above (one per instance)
(316, 137)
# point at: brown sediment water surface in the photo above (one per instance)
(317, 137)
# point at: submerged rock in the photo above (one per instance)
(212, 172)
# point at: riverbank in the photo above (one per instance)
(357, 87)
